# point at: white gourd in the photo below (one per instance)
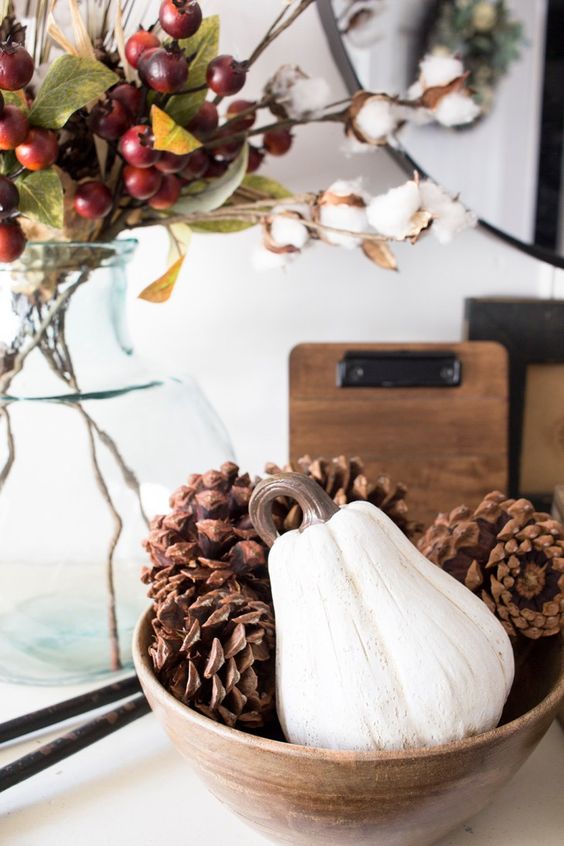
(376, 647)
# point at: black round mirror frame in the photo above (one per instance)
(348, 73)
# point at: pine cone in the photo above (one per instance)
(510, 555)
(214, 624)
(208, 536)
(213, 651)
(344, 480)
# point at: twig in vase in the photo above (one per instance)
(59, 303)
(115, 657)
(11, 448)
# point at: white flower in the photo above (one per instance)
(391, 214)
(437, 70)
(456, 109)
(449, 215)
(343, 206)
(376, 119)
(300, 96)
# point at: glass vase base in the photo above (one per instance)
(49, 640)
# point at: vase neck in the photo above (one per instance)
(86, 347)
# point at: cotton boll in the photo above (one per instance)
(307, 97)
(288, 232)
(391, 214)
(456, 109)
(437, 70)
(351, 146)
(449, 216)
(343, 206)
(297, 94)
(375, 120)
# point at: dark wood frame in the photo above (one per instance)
(532, 331)
(348, 73)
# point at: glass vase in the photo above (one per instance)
(91, 443)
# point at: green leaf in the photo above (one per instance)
(225, 226)
(205, 45)
(8, 162)
(41, 197)
(70, 84)
(16, 98)
(171, 137)
(160, 290)
(269, 187)
(219, 189)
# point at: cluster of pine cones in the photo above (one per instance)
(213, 644)
(214, 637)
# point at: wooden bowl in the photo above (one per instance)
(294, 794)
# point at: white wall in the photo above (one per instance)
(233, 328)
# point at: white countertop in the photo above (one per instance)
(134, 789)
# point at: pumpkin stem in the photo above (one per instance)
(317, 506)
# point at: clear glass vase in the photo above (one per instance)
(91, 443)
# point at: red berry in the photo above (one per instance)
(93, 200)
(230, 149)
(12, 241)
(256, 158)
(215, 168)
(14, 128)
(171, 163)
(164, 69)
(226, 76)
(196, 165)
(205, 120)
(39, 150)
(16, 67)
(180, 18)
(277, 141)
(136, 147)
(129, 96)
(9, 197)
(168, 193)
(142, 183)
(1, 103)
(238, 106)
(110, 120)
(137, 44)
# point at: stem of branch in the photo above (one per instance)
(11, 448)
(115, 659)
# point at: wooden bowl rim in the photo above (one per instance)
(148, 680)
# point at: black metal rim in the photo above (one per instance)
(402, 158)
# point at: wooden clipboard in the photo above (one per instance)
(447, 444)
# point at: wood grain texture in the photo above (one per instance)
(293, 794)
(449, 445)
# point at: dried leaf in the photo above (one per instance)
(160, 290)
(420, 221)
(59, 37)
(119, 35)
(171, 137)
(83, 43)
(432, 96)
(380, 253)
